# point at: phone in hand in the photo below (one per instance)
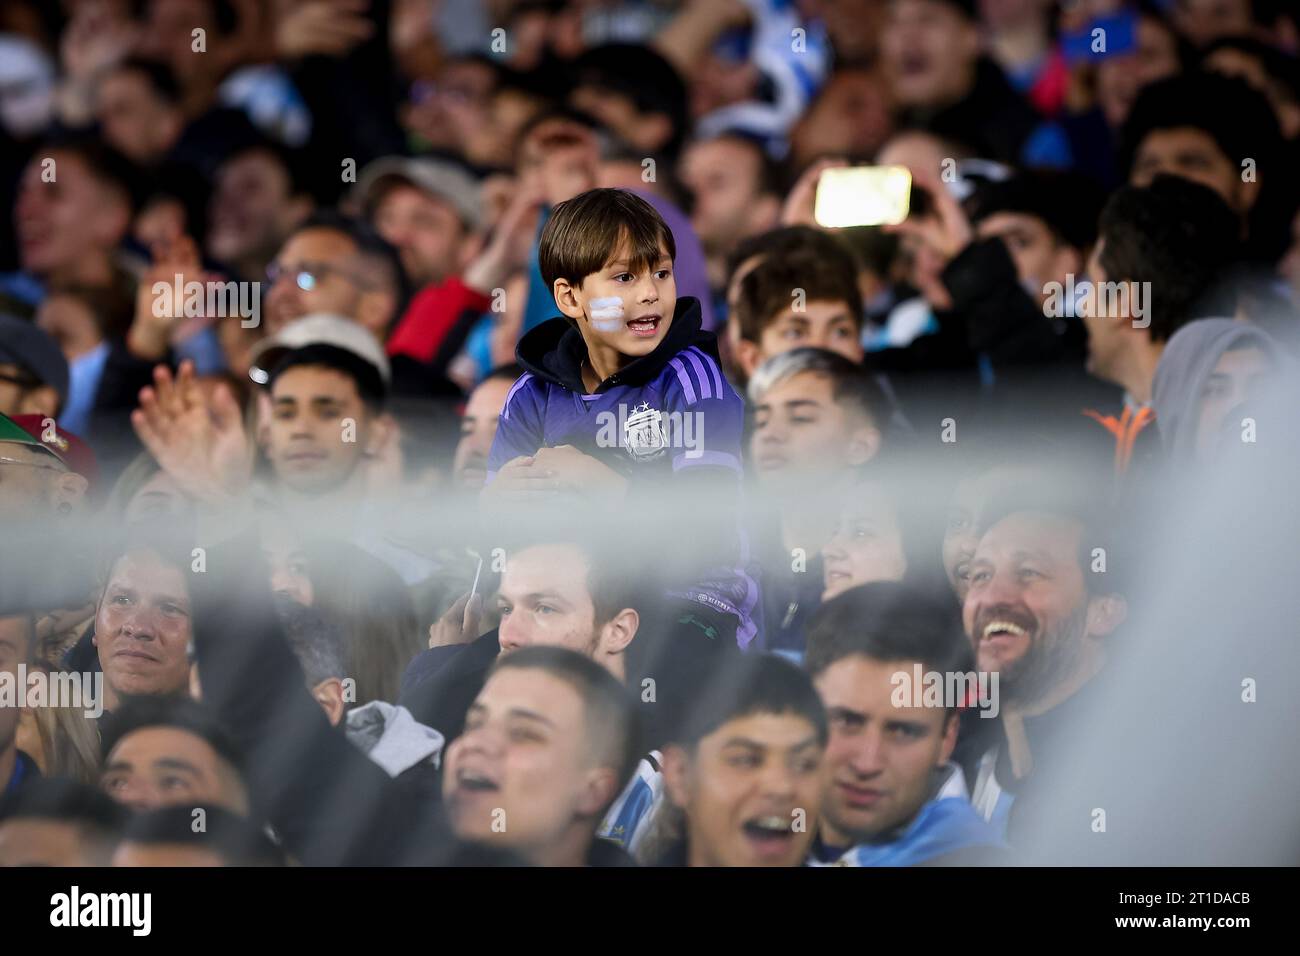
(863, 196)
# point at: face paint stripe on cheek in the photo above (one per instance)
(607, 313)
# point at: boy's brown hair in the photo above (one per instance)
(768, 289)
(585, 231)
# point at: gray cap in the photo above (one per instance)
(25, 345)
(320, 329)
(439, 177)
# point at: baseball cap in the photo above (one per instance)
(23, 344)
(31, 430)
(439, 177)
(320, 329)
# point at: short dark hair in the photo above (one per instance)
(852, 384)
(377, 254)
(181, 713)
(1066, 203)
(613, 581)
(106, 165)
(822, 275)
(1176, 234)
(160, 77)
(315, 638)
(610, 715)
(1227, 109)
(585, 231)
(172, 546)
(778, 243)
(889, 621)
(237, 840)
(1100, 528)
(1281, 69)
(66, 801)
(644, 76)
(369, 383)
(749, 684)
(293, 161)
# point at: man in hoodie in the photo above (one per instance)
(1159, 251)
(893, 797)
(406, 750)
(1210, 369)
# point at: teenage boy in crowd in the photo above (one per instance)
(893, 797)
(166, 751)
(819, 419)
(625, 393)
(746, 771)
(548, 744)
(58, 822)
(566, 591)
(807, 298)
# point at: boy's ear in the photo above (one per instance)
(566, 297)
(864, 442)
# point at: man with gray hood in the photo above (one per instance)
(405, 749)
(1208, 371)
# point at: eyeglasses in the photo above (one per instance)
(308, 276)
(29, 464)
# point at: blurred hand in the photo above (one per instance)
(946, 230)
(153, 327)
(204, 449)
(521, 482)
(511, 242)
(580, 473)
(460, 625)
(802, 199)
(325, 27)
(95, 39)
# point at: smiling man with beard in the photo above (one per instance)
(1041, 612)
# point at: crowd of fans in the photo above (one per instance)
(440, 432)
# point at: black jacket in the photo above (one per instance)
(327, 800)
(555, 350)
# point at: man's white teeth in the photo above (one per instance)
(993, 627)
(775, 824)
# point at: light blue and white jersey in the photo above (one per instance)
(945, 824)
(633, 813)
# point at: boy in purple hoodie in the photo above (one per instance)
(623, 397)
